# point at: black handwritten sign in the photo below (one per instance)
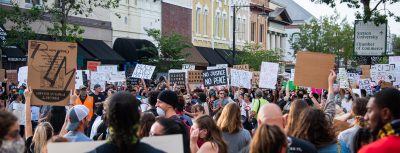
(51, 71)
(178, 78)
(132, 81)
(215, 77)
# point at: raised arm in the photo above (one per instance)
(28, 118)
(330, 102)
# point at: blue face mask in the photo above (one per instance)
(21, 92)
(346, 96)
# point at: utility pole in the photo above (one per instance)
(234, 34)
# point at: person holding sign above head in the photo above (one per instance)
(85, 99)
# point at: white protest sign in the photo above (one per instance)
(107, 68)
(118, 77)
(23, 76)
(366, 85)
(221, 66)
(98, 78)
(292, 72)
(168, 143)
(385, 72)
(143, 71)
(241, 78)
(81, 78)
(188, 67)
(268, 75)
(357, 91)
(353, 78)
(396, 61)
(344, 82)
(369, 39)
(75, 147)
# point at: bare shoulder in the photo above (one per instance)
(208, 147)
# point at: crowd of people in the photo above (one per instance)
(209, 120)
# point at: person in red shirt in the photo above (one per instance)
(383, 116)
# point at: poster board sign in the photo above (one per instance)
(215, 77)
(143, 71)
(195, 77)
(256, 79)
(268, 75)
(92, 65)
(118, 76)
(312, 69)
(394, 59)
(169, 143)
(369, 39)
(178, 78)
(357, 91)
(292, 72)
(241, 78)
(132, 81)
(81, 78)
(245, 67)
(383, 72)
(75, 147)
(366, 85)
(98, 78)
(22, 76)
(51, 71)
(365, 71)
(2, 74)
(12, 75)
(353, 78)
(188, 67)
(107, 68)
(343, 80)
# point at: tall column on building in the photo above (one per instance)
(278, 41)
(268, 39)
(283, 42)
(272, 40)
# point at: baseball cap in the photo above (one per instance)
(82, 87)
(76, 114)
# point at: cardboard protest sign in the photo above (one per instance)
(132, 81)
(215, 77)
(12, 75)
(268, 75)
(312, 69)
(383, 72)
(245, 67)
(2, 74)
(256, 79)
(366, 85)
(241, 78)
(343, 81)
(195, 77)
(51, 71)
(82, 77)
(143, 71)
(98, 78)
(292, 71)
(23, 76)
(178, 78)
(188, 67)
(92, 65)
(365, 71)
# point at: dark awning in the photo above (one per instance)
(211, 56)
(226, 54)
(194, 57)
(101, 51)
(134, 49)
(13, 53)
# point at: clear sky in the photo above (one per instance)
(319, 10)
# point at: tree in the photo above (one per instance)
(254, 55)
(326, 35)
(371, 12)
(168, 51)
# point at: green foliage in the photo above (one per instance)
(326, 35)
(254, 55)
(170, 47)
(370, 11)
(21, 30)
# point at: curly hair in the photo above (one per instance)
(7, 120)
(313, 127)
(123, 118)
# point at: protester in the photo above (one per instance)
(269, 139)
(165, 126)
(383, 117)
(85, 99)
(77, 123)
(203, 102)
(294, 115)
(231, 125)
(96, 121)
(152, 100)
(361, 138)
(98, 96)
(198, 110)
(245, 112)
(257, 103)
(347, 100)
(206, 129)
(359, 108)
(221, 102)
(10, 140)
(56, 117)
(123, 118)
(18, 109)
(147, 119)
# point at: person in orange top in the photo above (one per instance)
(85, 99)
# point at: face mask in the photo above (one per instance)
(346, 96)
(160, 112)
(21, 92)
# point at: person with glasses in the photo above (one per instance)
(221, 102)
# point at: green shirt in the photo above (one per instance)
(257, 104)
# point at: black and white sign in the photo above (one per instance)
(366, 85)
(215, 77)
(369, 39)
(143, 71)
(178, 78)
(132, 81)
(385, 72)
(188, 67)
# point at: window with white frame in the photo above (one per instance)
(198, 19)
(244, 30)
(238, 22)
(223, 25)
(217, 24)
(205, 21)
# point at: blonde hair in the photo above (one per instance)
(230, 119)
(43, 133)
(268, 139)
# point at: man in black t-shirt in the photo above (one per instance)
(97, 95)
